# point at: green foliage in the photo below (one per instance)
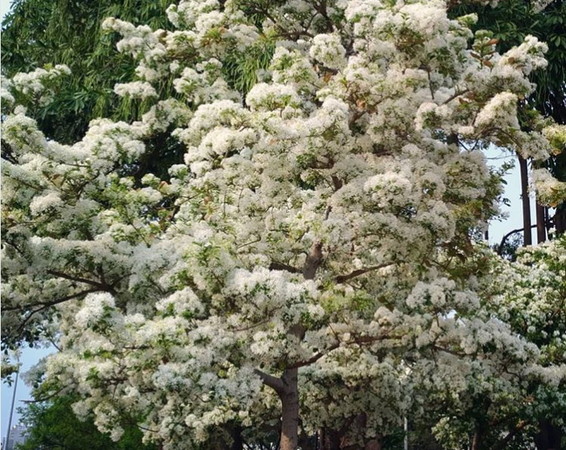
(241, 68)
(37, 33)
(510, 22)
(53, 425)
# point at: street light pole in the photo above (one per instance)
(8, 446)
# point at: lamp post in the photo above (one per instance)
(8, 446)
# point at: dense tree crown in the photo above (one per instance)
(37, 33)
(307, 267)
(53, 425)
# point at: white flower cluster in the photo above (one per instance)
(556, 135)
(38, 83)
(135, 89)
(5, 95)
(93, 310)
(550, 191)
(499, 112)
(328, 50)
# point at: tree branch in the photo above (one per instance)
(447, 350)
(313, 261)
(282, 266)
(101, 286)
(44, 306)
(504, 238)
(314, 358)
(275, 383)
(52, 303)
(357, 273)
(502, 444)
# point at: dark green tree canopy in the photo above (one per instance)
(54, 425)
(37, 33)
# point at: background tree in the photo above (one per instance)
(510, 21)
(37, 33)
(54, 425)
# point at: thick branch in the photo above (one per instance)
(281, 266)
(313, 261)
(269, 380)
(357, 273)
(45, 305)
(101, 286)
(357, 340)
(447, 350)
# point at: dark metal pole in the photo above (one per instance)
(527, 236)
(541, 223)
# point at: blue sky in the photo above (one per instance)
(496, 157)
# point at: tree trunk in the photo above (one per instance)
(330, 439)
(527, 234)
(290, 410)
(478, 438)
(560, 219)
(237, 441)
(476, 441)
(287, 387)
(549, 437)
(374, 444)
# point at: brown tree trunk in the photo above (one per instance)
(479, 435)
(527, 234)
(287, 386)
(476, 441)
(290, 410)
(374, 444)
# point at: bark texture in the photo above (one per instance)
(290, 410)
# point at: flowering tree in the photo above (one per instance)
(505, 408)
(309, 260)
(532, 298)
(510, 21)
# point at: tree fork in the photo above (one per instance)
(289, 393)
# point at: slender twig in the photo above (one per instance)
(314, 358)
(504, 238)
